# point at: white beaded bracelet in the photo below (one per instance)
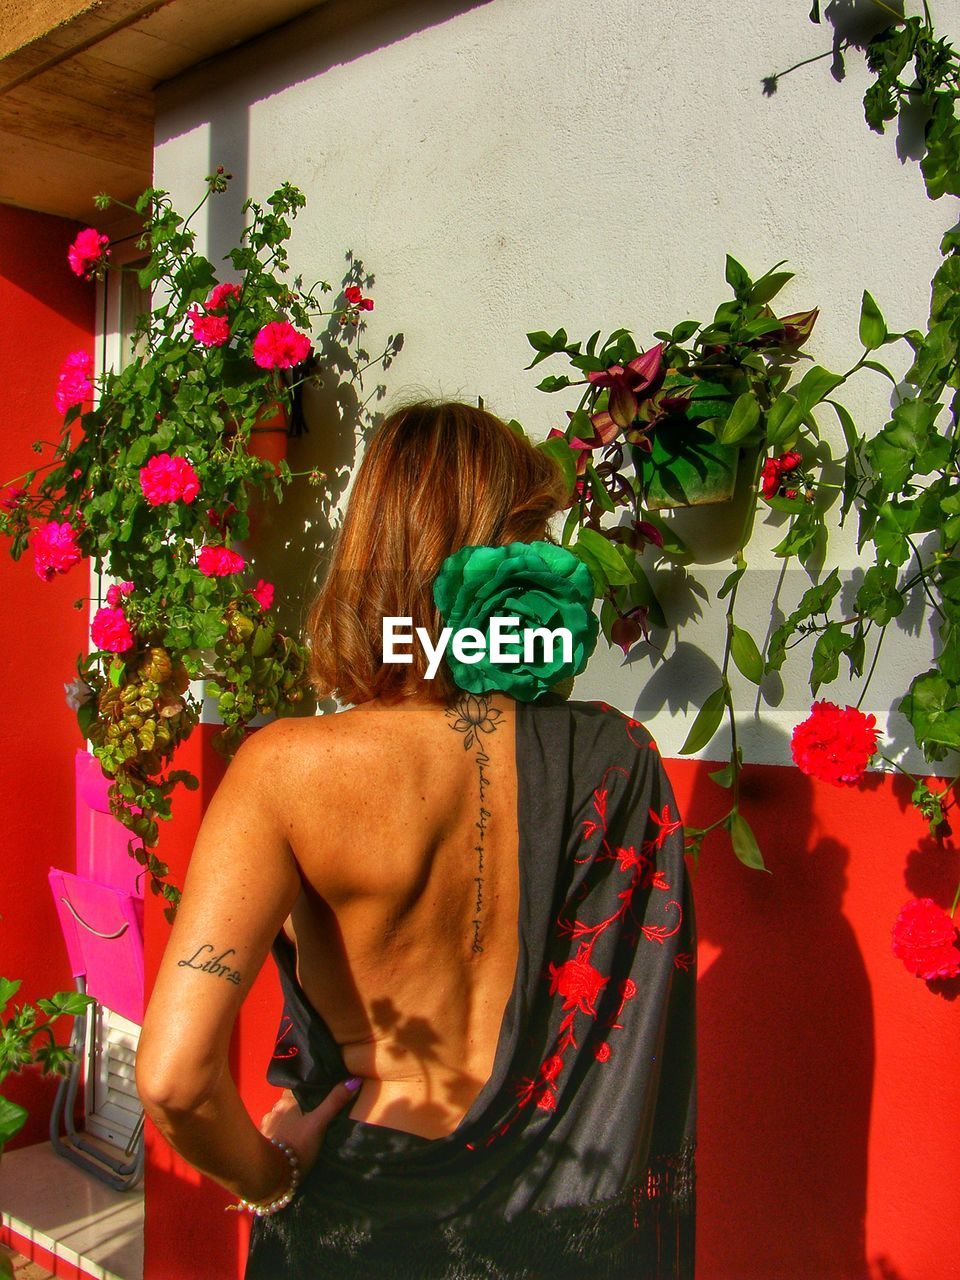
(274, 1206)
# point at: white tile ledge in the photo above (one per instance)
(49, 1201)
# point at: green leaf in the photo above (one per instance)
(558, 448)
(878, 596)
(873, 327)
(742, 419)
(8, 989)
(730, 581)
(815, 385)
(12, 1119)
(745, 842)
(707, 722)
(736, 276)
(746, 655)
(783, 419)
(593, 546)
(931, 707)
(769, 285)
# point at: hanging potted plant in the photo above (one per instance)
(153, 479)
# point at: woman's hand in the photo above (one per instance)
(304, 1131)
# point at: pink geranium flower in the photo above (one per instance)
(262, 593)
(209, 331)
(220, 295)
(279, 345)
(11, 497)
(168, 478)
(116, 591)
(111, 631)
(88, 252)
(54, 549)
(218, 562)
(75, 381)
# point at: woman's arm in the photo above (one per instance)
(241, 884)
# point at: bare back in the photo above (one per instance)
(403, 820)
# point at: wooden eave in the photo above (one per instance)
(77, 88)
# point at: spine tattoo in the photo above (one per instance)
(473, 715)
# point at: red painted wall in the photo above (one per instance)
(828, 1127)
(45, 312)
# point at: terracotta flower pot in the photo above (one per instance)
(268, 435)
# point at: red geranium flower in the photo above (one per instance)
(834, 744)
(924, 938)
(220, 294)
(774, 469)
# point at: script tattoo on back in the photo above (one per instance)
(472, 715)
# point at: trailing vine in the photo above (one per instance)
(735, 383)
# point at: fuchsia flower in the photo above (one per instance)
(116, 591)
(925, 939)
(220, 295)
(111, 631)
(262, 593)
(168, 478)
(627, 385)
(75, 381)
(209, 331)
(279, 345)
(88, 253)
(218, 562)
(54, 549)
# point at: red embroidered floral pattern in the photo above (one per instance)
(578, 981)
(280, 1050)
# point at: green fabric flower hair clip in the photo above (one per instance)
(540, 584)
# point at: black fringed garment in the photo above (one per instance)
(576, 1159)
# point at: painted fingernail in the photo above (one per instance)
(354, 1083)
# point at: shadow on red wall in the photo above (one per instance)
(45, 312)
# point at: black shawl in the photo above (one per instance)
(577, 1157)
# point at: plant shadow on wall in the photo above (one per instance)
(162, 480)
(722, 408)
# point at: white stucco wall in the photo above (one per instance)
(526, 164)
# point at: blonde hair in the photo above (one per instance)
(435, 477)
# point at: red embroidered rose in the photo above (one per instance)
(578, 982)
(628, 988)
(602, 1051)
(924, 938)
(834, 744)
(546, 1101)
(551, 1067)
